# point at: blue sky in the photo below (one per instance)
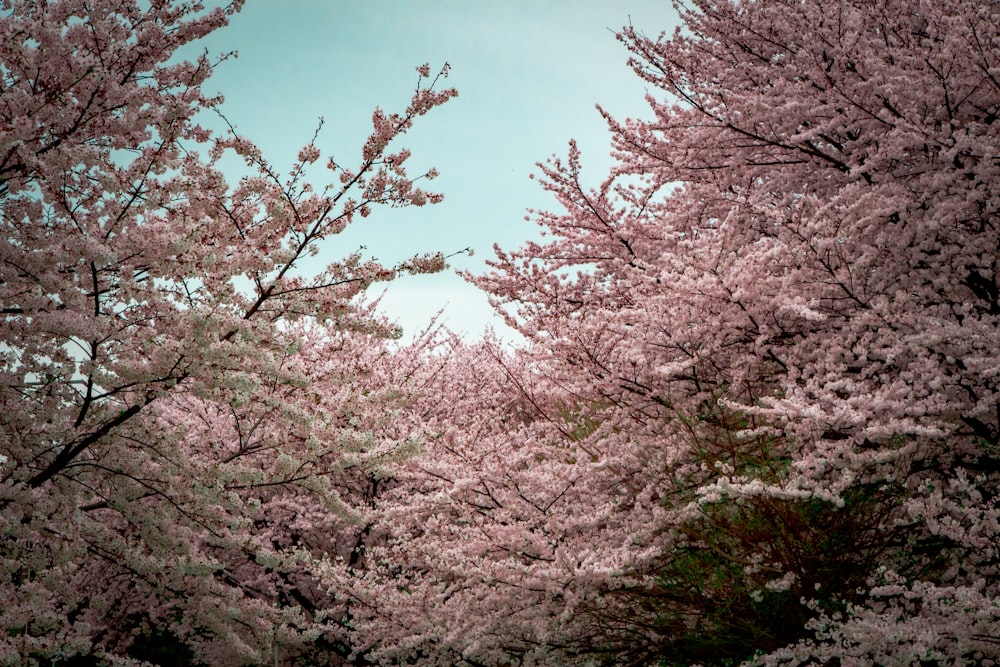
(528, 74)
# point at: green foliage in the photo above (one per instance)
(754, 572)
(749, 571)
(159, 646)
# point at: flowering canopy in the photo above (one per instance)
(186, 413)
(759, 411)
(757, 418)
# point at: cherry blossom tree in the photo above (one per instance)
(758, 415)
(192, 423)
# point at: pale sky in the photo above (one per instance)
(528, 72)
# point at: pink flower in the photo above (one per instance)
(309, 154)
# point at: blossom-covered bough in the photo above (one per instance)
(191, 421)
(756, 419)
(759, 410)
